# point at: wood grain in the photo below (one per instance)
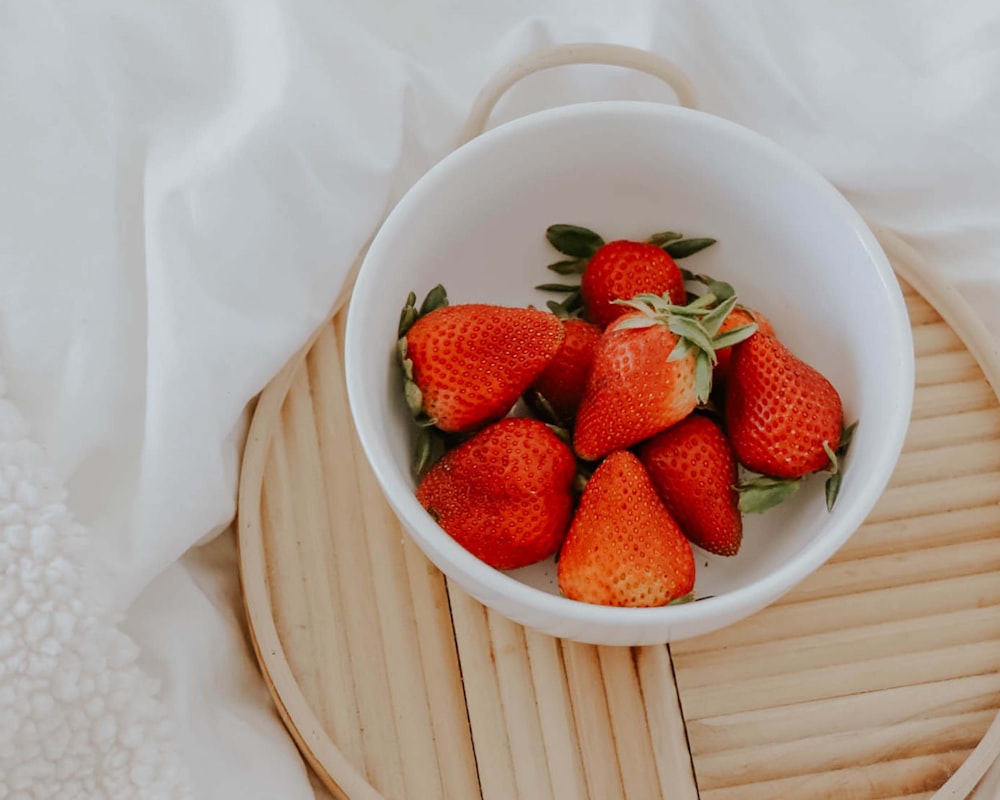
(874, 678)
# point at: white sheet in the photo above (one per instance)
(183, 184)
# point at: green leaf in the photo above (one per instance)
(656, 300)
(846, 436)
(735, 336)
(436, 298)
(694, 313)
(564, 288)
(575, 266)
(721, 289)
(429, 448)
(684, 599)
(572, 240)
(660, 239)
(714, 319)
(702, 303)
(561, 432)
(833, 489)
(763, 493)
(703, 377)
(630, 323)
(689, 276)
(681, 350)
(401, 348)
(692, 331)
(637, 305)
(414, 397)
(687, 247)
(544, 408)
(573, 302)
(408, 315)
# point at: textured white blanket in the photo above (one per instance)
(78, 718)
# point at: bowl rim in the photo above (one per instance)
(458, 563)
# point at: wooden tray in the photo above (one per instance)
(876, 678)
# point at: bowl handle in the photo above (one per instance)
(614, 55)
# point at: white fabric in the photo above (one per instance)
(184, 183)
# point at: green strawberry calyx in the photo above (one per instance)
(430, 444)
(580, 244)
(763, 492)
(834, 471)
(696, 326)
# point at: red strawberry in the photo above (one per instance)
(504, 495)
(694, 471)
(562, 382)
(783, 417)
(623, 547)
(738, 317)
(467, 365)
(651, 369)
(621, 270)
(618, 270)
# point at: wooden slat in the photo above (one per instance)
(555, 713)
(324, 667)
(920, 311)
(841, 612)
(931, 497)
(520, 708)
(954, 398)
(628, 722)
(349, 555)
(872, 781)
(838, 647)
(842, 750)
(954, 367)
(789, 723)
(936, 337)
(666, 725)
(593, 721)
(929, 530)
(971, 426)
(493, 754)
(863, 675)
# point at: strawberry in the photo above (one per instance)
(623, 547)
(466, 365)
(739, 316)
(783, 417)
(693, 469)
(617, 270)
(504, 494)
(558, 390)
(621, 270)
(651, 369)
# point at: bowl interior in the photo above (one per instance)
(792, 247)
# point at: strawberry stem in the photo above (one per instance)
(836, 457)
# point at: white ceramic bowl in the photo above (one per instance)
(789, 243)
